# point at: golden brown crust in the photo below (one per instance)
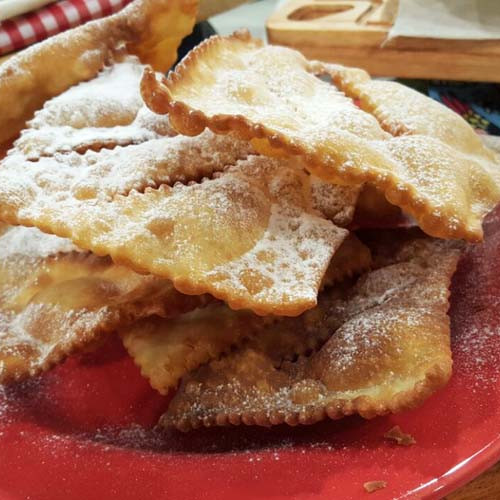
(106, 112)
(151, 29)
(248, 236)
(335, 202)
(205, 212)
(55, 301)
(351, 259)
(388, 350)
(447, 190)
(166, 350)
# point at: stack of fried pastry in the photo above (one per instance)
(207, 219)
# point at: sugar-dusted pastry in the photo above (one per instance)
(167, 349)
(56, 299)
(337, 203)
(421, 155)
(97, 167)
(384, 346)
(150, 29)
(351, 259)
(103, 113)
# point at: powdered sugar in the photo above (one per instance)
(55, 300)
(292, 255)
(102, 113)
(386, 336)
(27, 347)
(474, 310)
(104, 174)
(335, 202)
(32, 243)
(112, 98)
(185, 229)
(431, 163)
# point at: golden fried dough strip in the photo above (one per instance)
(164, 23)
(351, 259)
(55, 300)
(134, 149)
(248, 236)
(251, 236)
(105, 112)
(151, 29)
(335, 202)
(271, 96)
(388, 349)
(166, 350)
(403, 111)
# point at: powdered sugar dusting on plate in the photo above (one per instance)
(475, 308)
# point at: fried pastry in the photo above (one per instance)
(150, 29)
(56, 299)
(373, 209)
(166, 350)
(247, 236)
(387, 348)
(420, 155)
(103, 113)
(335, 202)
(351, 259)
(205, 212)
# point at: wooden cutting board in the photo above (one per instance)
(353, 32)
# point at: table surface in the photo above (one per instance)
(487, 485)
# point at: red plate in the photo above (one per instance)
(78, 432)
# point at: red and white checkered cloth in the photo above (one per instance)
(57, 17)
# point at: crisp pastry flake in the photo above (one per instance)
(420, 155)
(372, 486)
(335, 202)
(102, 113)
(399, 437)
(351, 259)
(167, 349)
(205, 212)
(150, 29)
(56, 300)
(384, 345)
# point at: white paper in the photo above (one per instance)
(12, 8)
(450, 19)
